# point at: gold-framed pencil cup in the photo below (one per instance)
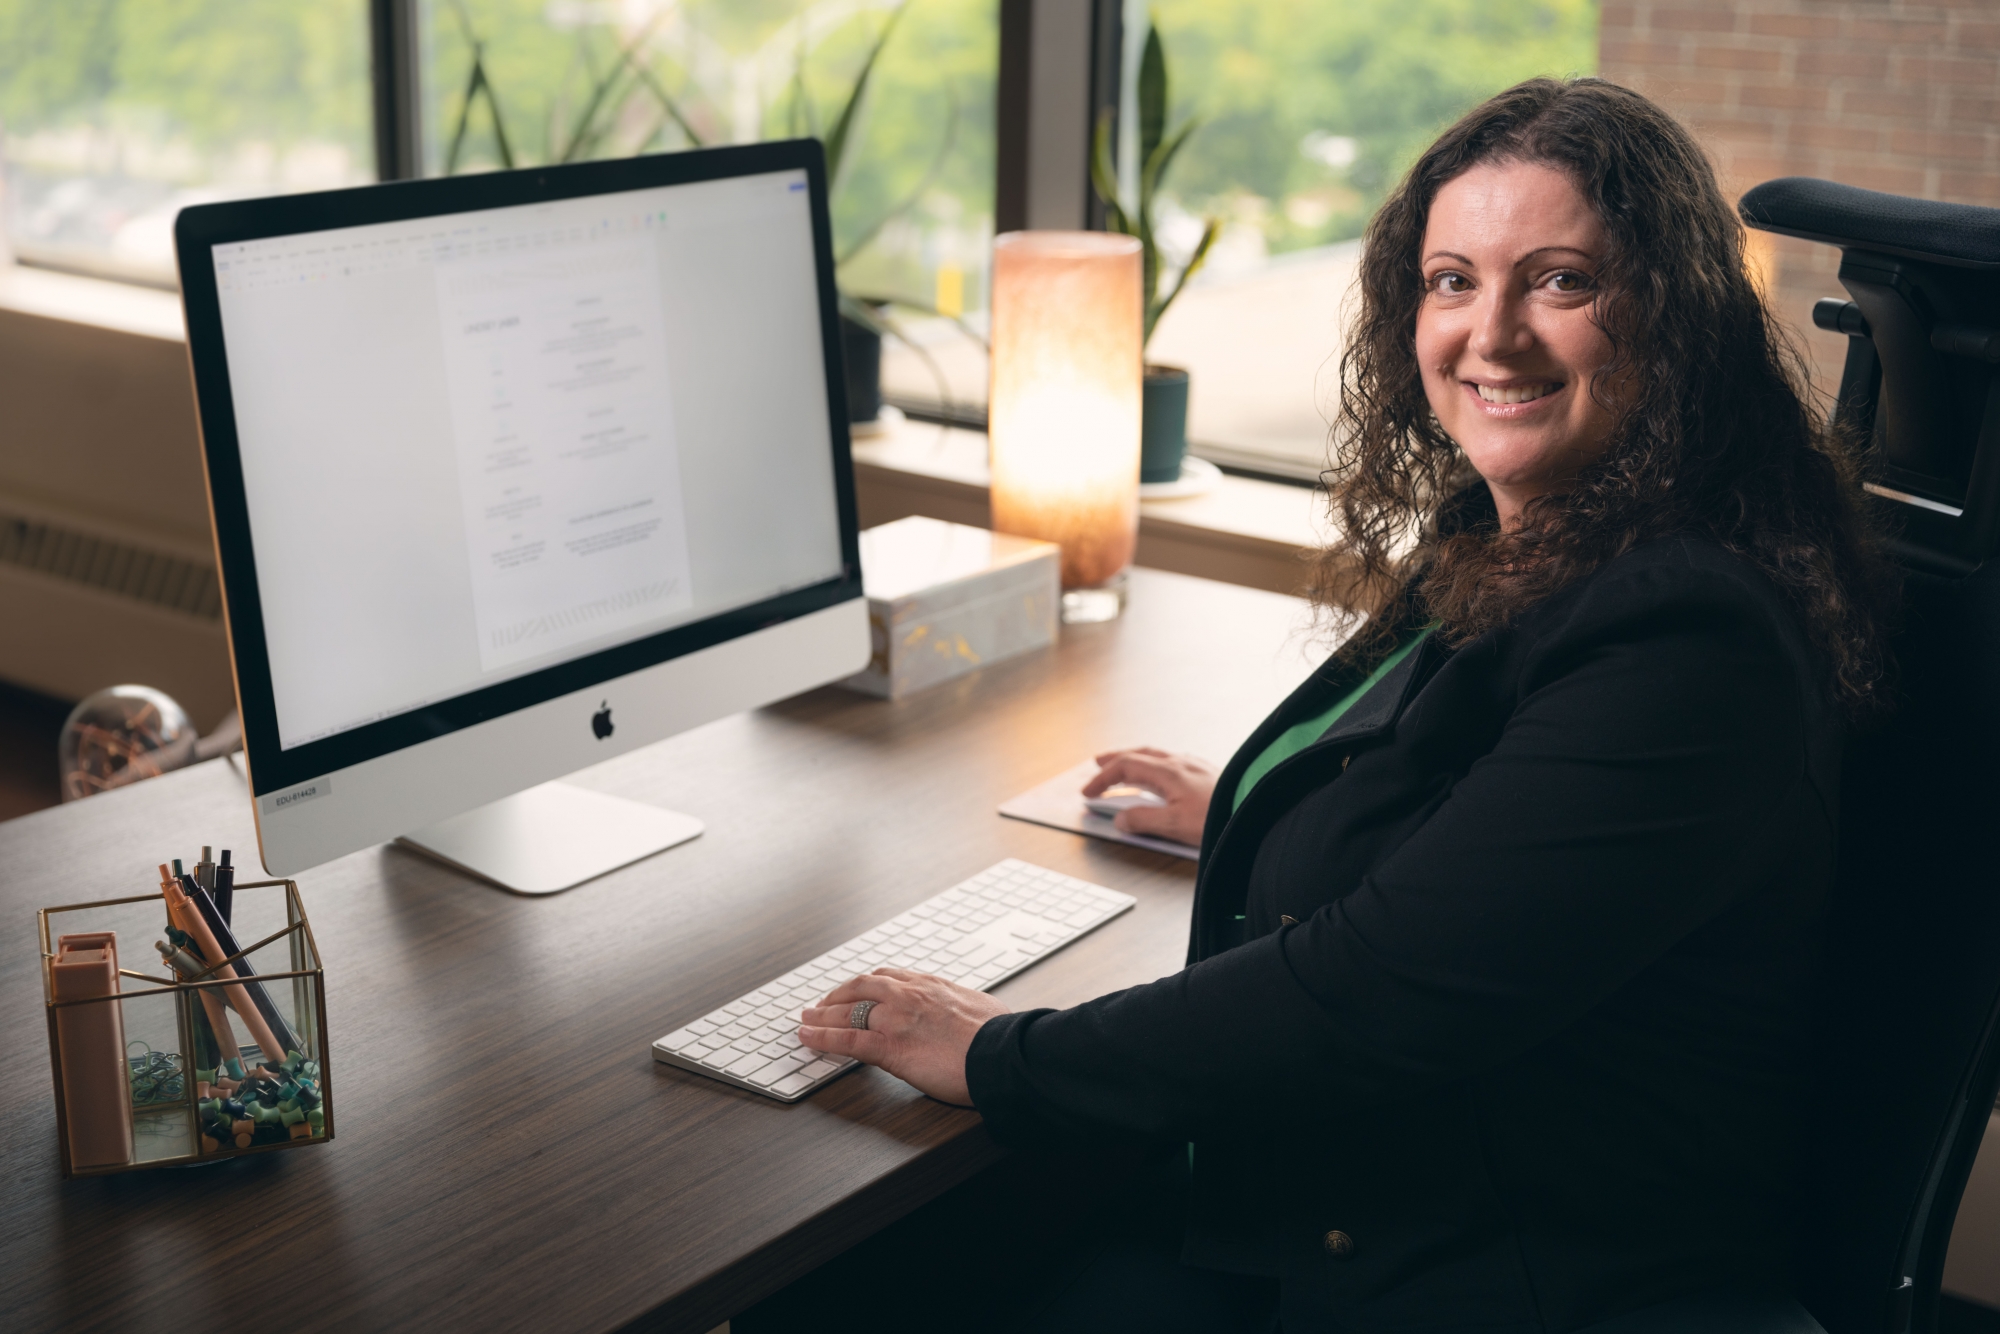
(185, 1026)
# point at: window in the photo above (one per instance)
(564, 80)
(116, 113)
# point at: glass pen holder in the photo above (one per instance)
(163, 1061)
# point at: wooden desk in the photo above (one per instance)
(509, 1156)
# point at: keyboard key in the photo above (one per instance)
(792, 1084)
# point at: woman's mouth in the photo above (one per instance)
(1517, 393)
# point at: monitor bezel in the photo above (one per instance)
(200, 228)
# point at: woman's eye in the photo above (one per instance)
(1569, 282)
(1451, 284)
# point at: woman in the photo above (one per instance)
(1505, 921)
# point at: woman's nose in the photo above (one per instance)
(1500, 328)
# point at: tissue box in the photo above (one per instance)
(945, 599)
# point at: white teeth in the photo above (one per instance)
(1520, 393)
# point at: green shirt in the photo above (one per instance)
(1300, 735)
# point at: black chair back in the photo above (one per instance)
(1907, 1062)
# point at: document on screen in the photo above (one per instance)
(568, 471)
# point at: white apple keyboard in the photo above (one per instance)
(978, 933)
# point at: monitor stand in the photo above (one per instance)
(552, 837)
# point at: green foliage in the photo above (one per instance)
(907, 122)
(213, 72)
(1388, 74)
(1157, 149)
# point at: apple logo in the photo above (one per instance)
(600, 722)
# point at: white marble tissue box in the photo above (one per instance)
(945, 599)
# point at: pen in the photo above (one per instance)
(204, 870)
(218, 1017)
(225, 886)
(181, 907)
(211, 914)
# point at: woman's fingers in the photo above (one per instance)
(862, 1043)
(884, 984)
(1154, 751)
(1113, 762)
(876, 986)
(1108, 771)
(826, 1016)
(1127, 767)
(1153, 773)
(881, 1019)
(1159, 821)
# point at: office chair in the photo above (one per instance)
(1907, 1057)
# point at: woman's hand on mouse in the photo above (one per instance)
(919, 1030)
(1185, 782)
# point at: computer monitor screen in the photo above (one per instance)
(479, 445)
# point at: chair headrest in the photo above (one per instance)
(1959, 235)
(1922, 381)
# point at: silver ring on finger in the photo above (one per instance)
(858, 1016)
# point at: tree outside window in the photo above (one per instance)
(114, 114)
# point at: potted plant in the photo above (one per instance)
(1164, 432)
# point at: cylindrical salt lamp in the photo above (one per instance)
(1063, 404)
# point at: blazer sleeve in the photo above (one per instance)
(1631, 796)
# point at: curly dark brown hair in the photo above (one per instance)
(1714, 434)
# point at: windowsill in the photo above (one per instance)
(1245, 531)
(123, 307)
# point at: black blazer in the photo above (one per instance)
(1506, 1036)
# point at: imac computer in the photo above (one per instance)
(511, 474)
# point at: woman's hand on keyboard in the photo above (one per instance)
(919, 1031)
(1186, 782)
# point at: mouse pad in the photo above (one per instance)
(1058, 804)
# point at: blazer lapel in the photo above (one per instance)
(1376, 712)
(1372, 716)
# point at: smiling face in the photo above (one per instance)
(1511, 257)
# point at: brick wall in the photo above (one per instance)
(1895, 95)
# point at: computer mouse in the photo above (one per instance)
(1122, 797)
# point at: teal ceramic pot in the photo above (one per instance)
(1163, 424)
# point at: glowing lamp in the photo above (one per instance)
(1063, 405)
